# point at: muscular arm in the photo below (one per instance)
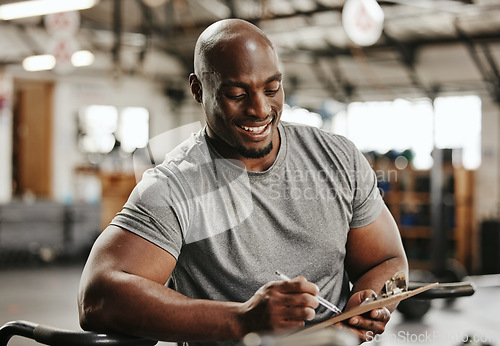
(122, 289)
(374, 254)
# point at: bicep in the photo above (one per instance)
(373, 244)
(117, 250)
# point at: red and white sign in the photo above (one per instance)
(363, 21)
(62, 48)
(62, 28)
(66, 23)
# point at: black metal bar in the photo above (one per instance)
(25, 36)
(407, 53)
(491, 86)
(146, 29)
(491, 61)
(59, 337)
(117, 30)
(21, 328)
(232, 8)
(439, 235)
(48, 335)
(334, 91)
(446, 290)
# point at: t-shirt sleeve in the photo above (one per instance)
(367, 202)
(150, 213)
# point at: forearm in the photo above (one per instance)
(134, 305)
(376, 277)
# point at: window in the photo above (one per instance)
(458, 125)
(97, 125)
(101, 127)
(133, 128)
(301, 116)
(455, 122)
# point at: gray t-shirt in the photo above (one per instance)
(231, 229)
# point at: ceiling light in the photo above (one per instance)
(82, 58)
(42, 7)
(39, 62)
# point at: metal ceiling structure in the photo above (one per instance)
(427, 47)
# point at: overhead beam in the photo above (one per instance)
(146, 30)
(336, 90)
(232, 8)
(491, 62)
(30, 42)
(492, 82)
(117, 31)
(407, 53)
(415, 44)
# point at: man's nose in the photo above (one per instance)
(258, 106)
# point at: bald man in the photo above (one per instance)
(244, 197)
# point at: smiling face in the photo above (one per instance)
(239, 87)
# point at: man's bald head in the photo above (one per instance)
(215, 41)
(237, 81)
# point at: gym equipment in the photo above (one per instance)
(416, 307)
(47, 335)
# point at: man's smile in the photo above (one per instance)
(257, 131)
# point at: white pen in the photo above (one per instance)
(321, 300)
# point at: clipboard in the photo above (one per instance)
(363, 308)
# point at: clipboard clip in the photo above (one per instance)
(396, 284)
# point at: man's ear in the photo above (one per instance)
(195, 86)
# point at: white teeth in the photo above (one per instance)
(254, 129)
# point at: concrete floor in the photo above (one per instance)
(47, 295)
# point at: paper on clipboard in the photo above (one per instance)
(361, 309)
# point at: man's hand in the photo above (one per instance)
(367, 325)
(280, 306)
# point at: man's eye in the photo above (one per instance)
(272, 92)
(273, 89)
(235, 97)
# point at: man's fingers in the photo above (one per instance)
(377, 326)
(382, 314)
(292, 313)
(299, 299)
(370, 323)
(296, 293)
(298, 307)
(363, 335)
(281, 305)
(290, 301)
(299, 285)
